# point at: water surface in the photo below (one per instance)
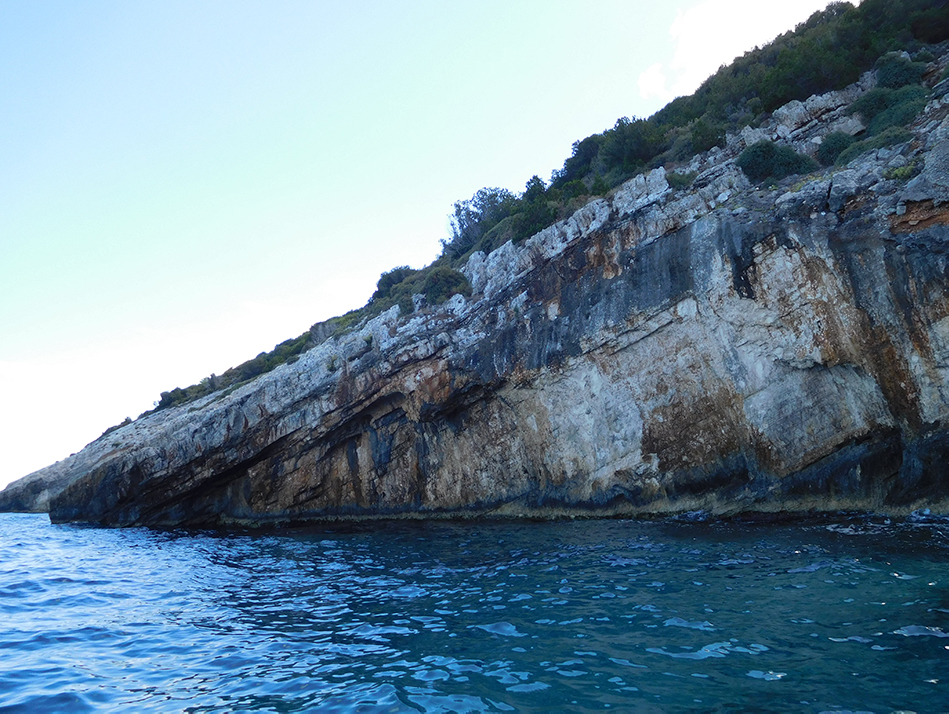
(847, 614)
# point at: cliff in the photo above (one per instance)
(724, 347)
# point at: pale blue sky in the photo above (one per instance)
(185, 184)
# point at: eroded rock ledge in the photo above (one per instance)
(725, 348)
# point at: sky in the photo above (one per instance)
(187, 183)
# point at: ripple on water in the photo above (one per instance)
(506, 629)
(921, 631)
(476, 617)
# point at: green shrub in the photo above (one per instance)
(401, 293)
(680, 146)
(765, 160)
(630, 144)
(832, 146)
(882, 108)
(680, 181)
(617, 175)
(891, 136)
(706, 134)
(574, 188)
(580, 162)
(931, 25)
(599, 186)
(344, 323)
(872, 103)
(280, 354)
(895, 71)
(390, 279)
(900, 173)
(535, 210)
(442, 282)
(498, 236)
(406, 305)
(905, 104)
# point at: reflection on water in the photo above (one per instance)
(851, 614)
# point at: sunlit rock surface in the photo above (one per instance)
(723, 347)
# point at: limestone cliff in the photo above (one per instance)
(724, 347)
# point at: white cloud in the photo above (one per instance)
(652, 84)
(713, 33)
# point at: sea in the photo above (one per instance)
(839, 614)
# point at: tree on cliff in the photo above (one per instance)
(476, 216)
(534, 210)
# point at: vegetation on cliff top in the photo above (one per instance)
(829, 51)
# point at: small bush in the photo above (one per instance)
(399, 293)
(891, 136)
(344, 323)
(443, 282)
(574, 188)
(390, 279)
(765, 160)
(705, 135)
(872, 103)
(599, 186)
(833, 146)
(905, 105)
(895, 71)
(406, 305)
(882, 108)
(498, 236)
(679, 181)
(536, 216)
(680, 148)
(900, 173)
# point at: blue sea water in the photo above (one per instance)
(847, 614)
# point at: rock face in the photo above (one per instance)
(723, 347)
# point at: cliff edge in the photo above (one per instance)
(725, 347)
